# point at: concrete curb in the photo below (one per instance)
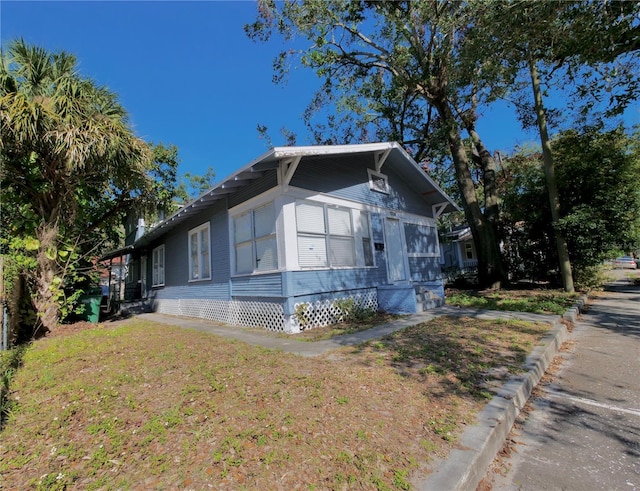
(478, 446)
(572, 314)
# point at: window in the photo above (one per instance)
(468, 250)
(422, 240)
(365, 232)
(378, 182)
(325, 236)
(157, 260)
(199, 253)
(255, 240)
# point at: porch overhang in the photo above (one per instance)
(123, 251)
(287, 159)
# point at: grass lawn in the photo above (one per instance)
(539, 301)
(140, 405)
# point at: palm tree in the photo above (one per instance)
(70, 162)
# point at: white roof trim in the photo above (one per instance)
(272, 158)
(281, 152)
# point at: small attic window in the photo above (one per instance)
(378, 182)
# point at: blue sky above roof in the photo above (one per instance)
(188, 75)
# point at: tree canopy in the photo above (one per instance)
(395, 68)
(421, 73)
(71, 166)
(598, 174)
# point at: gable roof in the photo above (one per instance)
(388, 154)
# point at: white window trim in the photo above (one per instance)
(197, 231)
(154, 269)
(378, 176)
(327, 237)
(242, 211)
(288, 233)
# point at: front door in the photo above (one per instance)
(395, 251)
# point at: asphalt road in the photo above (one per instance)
(583, 432)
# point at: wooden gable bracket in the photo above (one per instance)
(438, 209)
(380, 158)
(288, 168)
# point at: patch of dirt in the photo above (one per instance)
(72, 328)
(76, 327)
(326, 332)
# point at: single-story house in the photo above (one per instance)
(284, 241)
(457, 251)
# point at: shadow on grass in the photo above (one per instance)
(466, 356)
(10, 362)
(533, 300)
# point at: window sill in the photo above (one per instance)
(257, 273)
(200, 280)
(331, 268)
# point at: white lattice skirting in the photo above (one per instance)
(268, 315)
(330, 311)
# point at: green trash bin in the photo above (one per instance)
(91, 302)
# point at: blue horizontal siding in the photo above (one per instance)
(264, 285)
(335, 280)
(315, 297)
(377, 227)
(425, 268)
(346, 177)
(213, 291)
(176, 247)
(220, 258)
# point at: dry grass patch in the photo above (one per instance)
(342, 328)
(144, 405)
(535, 300)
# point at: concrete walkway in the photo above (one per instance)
(584, 430)
(479, 444)
(303, 348)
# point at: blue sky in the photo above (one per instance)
(188, 75)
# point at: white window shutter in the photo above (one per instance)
(265, 220)
(242, 228)
(339, 221)
(342, 253)
(312, 251)
(266, 254)
(244, 258)
(310, 218)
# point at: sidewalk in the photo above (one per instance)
(584, 430)
(303, 348)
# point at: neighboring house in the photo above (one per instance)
(458, 252)
(282, 241)
(116, 273)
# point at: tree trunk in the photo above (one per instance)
(45, 281)
(552, 185)
(491, 272)
(489, 171)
